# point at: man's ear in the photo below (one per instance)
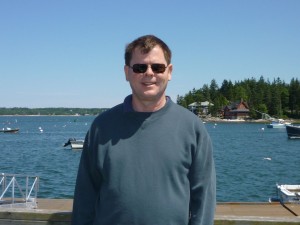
(126, 71)
(170, 69)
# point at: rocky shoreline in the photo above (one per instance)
(219, 120)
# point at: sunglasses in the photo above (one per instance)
(142, 68)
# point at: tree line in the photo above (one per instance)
(50, 111)
(276, 98)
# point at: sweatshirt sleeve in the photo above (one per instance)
(203, 183)
(87, 186)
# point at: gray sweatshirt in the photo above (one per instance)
(146, 169)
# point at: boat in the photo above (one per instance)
(280, 123)
(288, 193)
(75, 144)
(78, 144)
(10, 130)
(293, 131)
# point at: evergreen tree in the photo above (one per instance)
(206, 93)
(227, 90)
(213, 89)
(294, 96)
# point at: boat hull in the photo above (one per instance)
(11, 131)
(293, 131)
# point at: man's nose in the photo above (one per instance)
(149, 71)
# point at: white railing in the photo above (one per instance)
(18, 191)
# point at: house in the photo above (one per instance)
(236, 110)
(204, 106)
(201, 107)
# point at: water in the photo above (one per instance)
(32, 152)
(249, 160)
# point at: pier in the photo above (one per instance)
(59, 211)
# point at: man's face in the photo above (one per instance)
(148, 86)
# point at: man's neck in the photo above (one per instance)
(148, 106)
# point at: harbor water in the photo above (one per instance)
(250, 158)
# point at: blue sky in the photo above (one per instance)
(64, 53)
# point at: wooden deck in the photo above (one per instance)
(58, 211)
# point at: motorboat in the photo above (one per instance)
(10, 130)
(293, 131)
(280, 123)
(78, 144)
(288, 193)
(75, 144)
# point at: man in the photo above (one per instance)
(146, 161)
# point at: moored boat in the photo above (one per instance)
(78, 144)
(280, 123)
(293, 131)
(75, 144)
(288, 193)
(10, 130)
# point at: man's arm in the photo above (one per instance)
(87, 187)
(203, 183)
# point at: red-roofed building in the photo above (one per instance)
(237, 110)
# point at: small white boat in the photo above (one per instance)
(280, 123)
(288, 193)
(78, 144)
(75, 144)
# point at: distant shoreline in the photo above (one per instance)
(217, 120)
(210, 120)
(50, 111)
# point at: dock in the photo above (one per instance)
(59, 211)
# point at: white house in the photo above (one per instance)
(201, 107)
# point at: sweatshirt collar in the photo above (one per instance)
(128, 103)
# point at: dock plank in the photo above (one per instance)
(59, 211)
(253, 209)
